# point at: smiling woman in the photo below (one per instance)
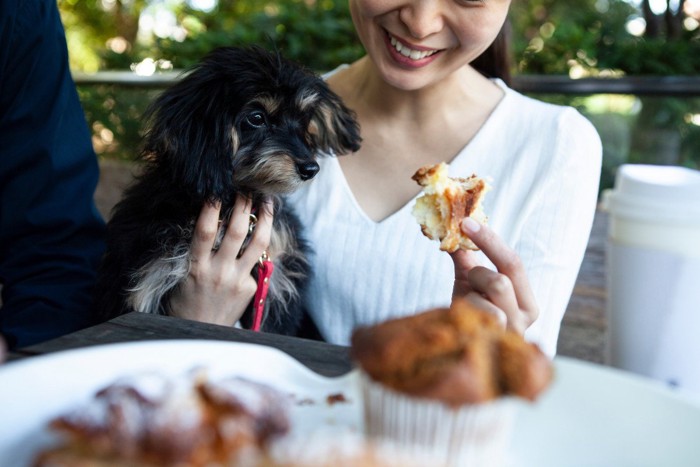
(419, 32)
(431, 89)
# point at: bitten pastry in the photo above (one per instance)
(445, 202)
(458, 355)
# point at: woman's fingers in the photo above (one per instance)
(220, 286)
(205, 231)
(483, 303)
(504, 258)
(498, 290)
(236, 230)
(239, 229)
(506, 291)
(260, 239)
(464, 261)
(501, 255)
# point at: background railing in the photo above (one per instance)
(640, 119)
(682, 86)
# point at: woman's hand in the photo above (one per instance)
(506, 292)
(219, 286)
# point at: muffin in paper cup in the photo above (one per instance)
(326, 448)
(445, 384)
(471, 435)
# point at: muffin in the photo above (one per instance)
(445, 383)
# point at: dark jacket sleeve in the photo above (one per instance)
(51, 235)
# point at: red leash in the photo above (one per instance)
(265, 269)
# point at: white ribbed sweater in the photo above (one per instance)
(544, 162)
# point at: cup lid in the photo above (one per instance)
(658, 193)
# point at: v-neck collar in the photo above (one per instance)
(458, 163)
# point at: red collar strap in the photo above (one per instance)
(265, 269)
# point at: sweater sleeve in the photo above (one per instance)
(51, 235)
(556, 232)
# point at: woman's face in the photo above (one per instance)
(417, 43)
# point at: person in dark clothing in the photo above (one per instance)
(51, 234)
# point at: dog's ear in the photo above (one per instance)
(336, 128)
(190, 132)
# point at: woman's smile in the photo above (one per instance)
(408, 54)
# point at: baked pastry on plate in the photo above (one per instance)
(153, 420)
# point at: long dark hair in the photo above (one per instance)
(496, 61)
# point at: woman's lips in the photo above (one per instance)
(411, 56)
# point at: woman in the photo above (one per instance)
(420, 99)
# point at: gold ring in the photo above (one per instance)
(253, 220)
(264, 257)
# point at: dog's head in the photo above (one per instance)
(245, 120)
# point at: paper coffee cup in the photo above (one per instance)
(653, 257)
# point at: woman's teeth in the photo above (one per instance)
(412, 54)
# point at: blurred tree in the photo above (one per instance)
(96, 29)
(294, 27)
(571, 37)
(590, 37)
(107, 34)
(593, 38)
(668, 24)
(550, 36)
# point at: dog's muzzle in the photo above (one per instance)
(307, 170)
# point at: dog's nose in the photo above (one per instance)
(307, 170)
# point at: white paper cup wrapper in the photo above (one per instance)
(323, 449)
(467, 436)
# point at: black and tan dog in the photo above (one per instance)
(243, 122)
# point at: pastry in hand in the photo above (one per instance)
(446, 201)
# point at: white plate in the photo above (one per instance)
(591, 416)
(35, 390)
(595, 416)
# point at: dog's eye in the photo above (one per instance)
(256, 119)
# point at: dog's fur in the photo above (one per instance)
(243, 122)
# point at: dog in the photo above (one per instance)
(242, 122)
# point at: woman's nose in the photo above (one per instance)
(422, 17)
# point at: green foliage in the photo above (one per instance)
(549, 37)
(552, 36)
(114, 115)
(316, 33)
(320, 34)
(90, 24)
(590, 37)
(657, 56)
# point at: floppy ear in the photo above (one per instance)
(191, 134)
(337, 129)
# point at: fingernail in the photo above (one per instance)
(470, 225)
